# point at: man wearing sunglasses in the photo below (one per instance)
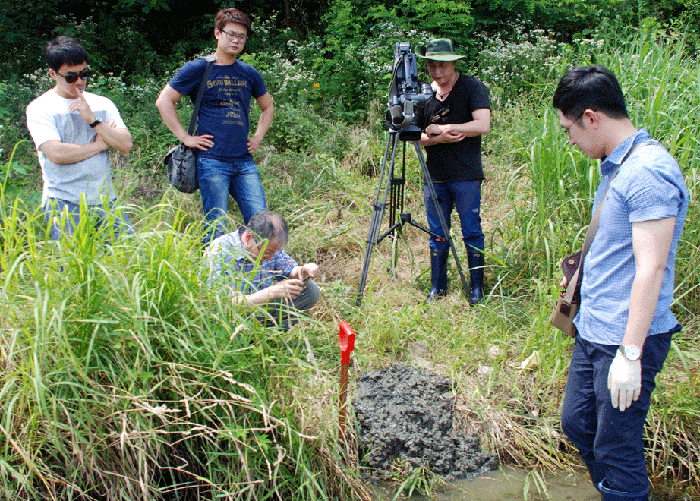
(225, 163)
(73, 131)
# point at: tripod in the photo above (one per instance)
(395, 187)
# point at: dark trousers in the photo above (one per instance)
(610, 441)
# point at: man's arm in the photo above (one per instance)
(285, 289)
(267, 107)
(107, 134)
(651, 241)
(453, 133)
(69, 153)
(165, 103)
(117, 138)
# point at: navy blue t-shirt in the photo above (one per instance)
(224, 112)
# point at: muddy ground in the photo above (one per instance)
(405, 420)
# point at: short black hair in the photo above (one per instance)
(64, 50)
(590, 87)
(267, 225)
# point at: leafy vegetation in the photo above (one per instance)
(122, 378)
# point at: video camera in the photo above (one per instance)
(406, 94)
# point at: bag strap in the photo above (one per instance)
(195, 113)
(575, 282)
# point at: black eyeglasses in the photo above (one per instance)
(232, 35)
(72, 76)
(567, 130)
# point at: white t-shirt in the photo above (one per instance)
(49, 118)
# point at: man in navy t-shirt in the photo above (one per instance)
(224, 161)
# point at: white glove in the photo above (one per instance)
(624, 381)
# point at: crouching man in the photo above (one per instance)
(252, 266)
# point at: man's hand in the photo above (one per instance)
(254, 143)
(624, 381)
(203, 142)
(309, 270)
(82, 107)
(100, 142)
(286, 289)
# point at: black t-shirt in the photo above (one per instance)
(450, 162)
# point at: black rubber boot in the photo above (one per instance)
(476, 275)
(438, 273)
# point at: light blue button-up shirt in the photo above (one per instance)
(648, 186)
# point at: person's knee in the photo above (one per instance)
(309, 296)
(572, 426)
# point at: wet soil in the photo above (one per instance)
(405, 419)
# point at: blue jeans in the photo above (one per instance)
(465, 196)
(610, 441)
(217, 180)
(63, 218)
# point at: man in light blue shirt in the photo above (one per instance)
(625, 323)
(251, 266)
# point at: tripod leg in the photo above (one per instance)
(443, 222)
(378, 214)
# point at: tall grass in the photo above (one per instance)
(123, 379)
(661, 83)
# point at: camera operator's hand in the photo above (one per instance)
(444, 133)
(286, 289)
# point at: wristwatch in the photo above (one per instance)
(96, 123)
(630, 352)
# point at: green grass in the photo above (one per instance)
(124, 379)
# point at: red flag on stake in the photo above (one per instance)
(346, 337)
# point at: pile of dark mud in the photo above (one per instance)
(406, 414)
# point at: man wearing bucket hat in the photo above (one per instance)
(453, 123)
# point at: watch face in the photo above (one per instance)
(631, 352)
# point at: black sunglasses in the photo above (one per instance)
(72, 76)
